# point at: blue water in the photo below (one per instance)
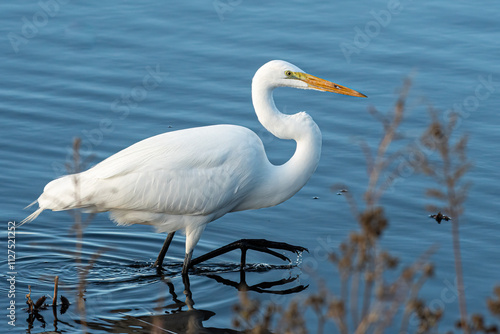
(116, 72)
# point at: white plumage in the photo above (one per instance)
(182, 180)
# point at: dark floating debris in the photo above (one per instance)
(341, 191)
(39, 302)
(439, 217)
(35, 309)
(65, 304)
(315, 197)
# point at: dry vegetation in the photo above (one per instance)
(367, 301)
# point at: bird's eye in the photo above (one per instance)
(288, 73)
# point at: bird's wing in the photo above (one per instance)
(189, 172)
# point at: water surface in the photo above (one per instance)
(74, 73)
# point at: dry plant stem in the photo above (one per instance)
(344, 286)
(379, 163)
(450, 177)
(77, 216)
(30, 302)
(367, 293)
(376, 166)
(354, 299)
(455, 212)
(342, 327)
(459, 271)
(54, 299)
(340, 319)
(81, 274)
(367, 321)
(376, 314)
(321, 323)
(408, 310)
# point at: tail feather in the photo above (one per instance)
(32, 216)
(32, 203)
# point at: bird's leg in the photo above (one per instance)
(187, 263)
(243, 260)
(260, 245)
(159, 260)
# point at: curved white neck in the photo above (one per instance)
(284, 181)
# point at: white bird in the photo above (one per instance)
(182, 180)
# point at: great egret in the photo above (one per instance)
(182, 180)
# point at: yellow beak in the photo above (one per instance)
(326, 86)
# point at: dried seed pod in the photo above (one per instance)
(40, 302)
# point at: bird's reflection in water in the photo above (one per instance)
(183, 317)
(190, 321)
(179, 317)
(263, 287)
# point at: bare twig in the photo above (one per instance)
(54, 298)
(448, 175)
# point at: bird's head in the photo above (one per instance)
(281, 73)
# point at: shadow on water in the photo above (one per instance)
(181, 322)
(177, 317)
